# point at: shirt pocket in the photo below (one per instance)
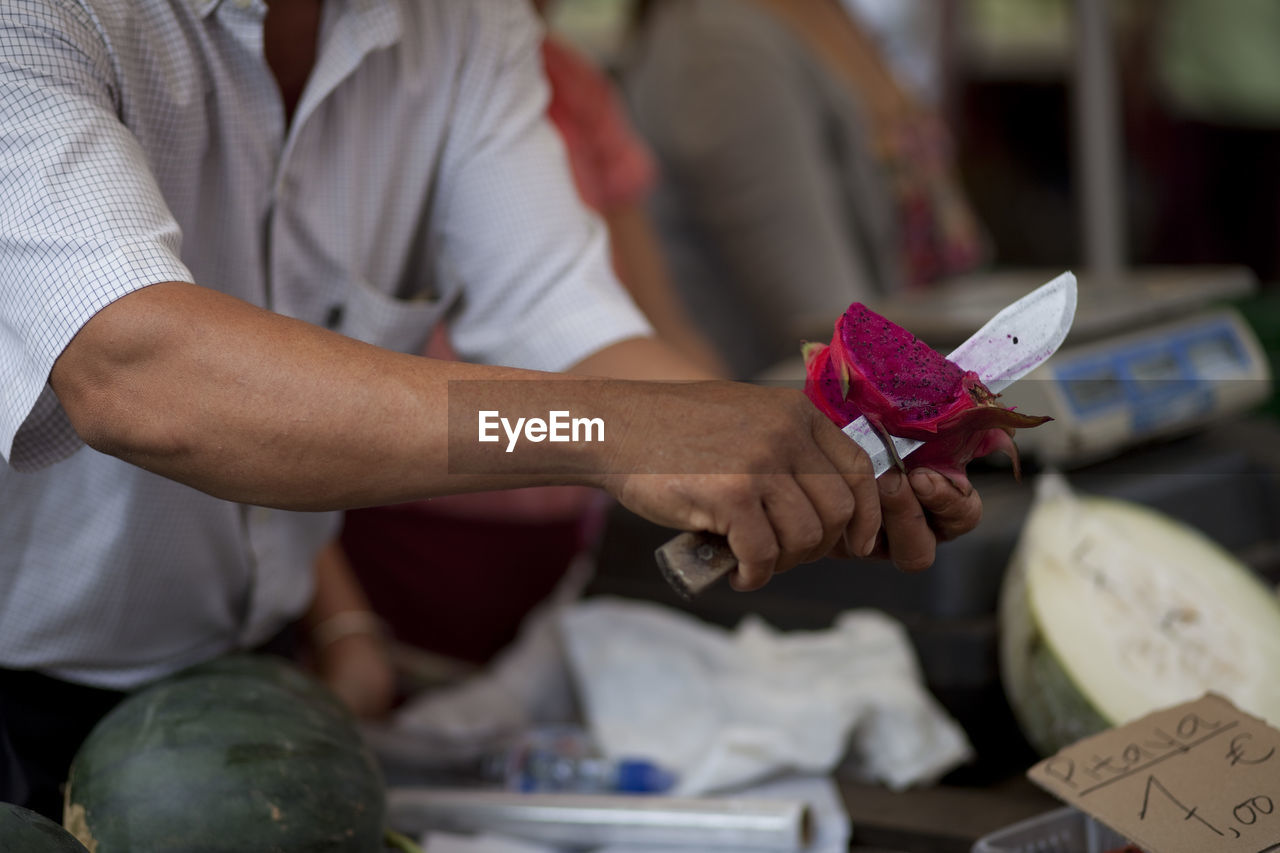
(377, 318)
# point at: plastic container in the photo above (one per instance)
(555, 759)
(1064, 830)
(564, 760)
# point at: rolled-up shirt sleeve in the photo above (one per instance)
(538, 288)
(82, 221)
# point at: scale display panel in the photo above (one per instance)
(1156, 381)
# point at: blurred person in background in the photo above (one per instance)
(800, 173)
(396, 567)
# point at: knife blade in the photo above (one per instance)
(1009, 346)
(1019, 338)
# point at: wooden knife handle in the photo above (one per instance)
(691, 562)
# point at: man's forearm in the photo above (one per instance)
(256, 407)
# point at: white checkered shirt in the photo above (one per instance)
(144, 141)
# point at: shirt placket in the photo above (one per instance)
(351, 30)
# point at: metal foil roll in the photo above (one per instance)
(589, 820)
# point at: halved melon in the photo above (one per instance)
(1111, 610)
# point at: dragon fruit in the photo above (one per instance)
(875, 368)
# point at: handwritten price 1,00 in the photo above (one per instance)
(1245, 814)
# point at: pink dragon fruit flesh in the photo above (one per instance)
(875, 368)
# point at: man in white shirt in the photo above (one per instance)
(222, 230)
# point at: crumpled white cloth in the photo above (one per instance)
(730, 708)
(722, 708)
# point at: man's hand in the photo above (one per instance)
(760, 466)
(764, 468)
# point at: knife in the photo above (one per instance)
(1012, 344)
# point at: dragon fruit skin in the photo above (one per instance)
(876, 368)
(949, 456)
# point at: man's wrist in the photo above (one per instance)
(556, 431)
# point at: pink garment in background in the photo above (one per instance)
(612, 167)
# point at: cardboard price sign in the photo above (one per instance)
(1196, 777)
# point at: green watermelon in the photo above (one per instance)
(243, 753)
(24, 831)
(1111, 610)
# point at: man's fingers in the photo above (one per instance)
(853, 464)
(799, 522)
(754, 542)
(835, 505)
(773, 535)
(951, 512)
(911, 542)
